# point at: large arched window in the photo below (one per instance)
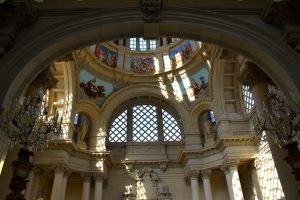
(144, 123)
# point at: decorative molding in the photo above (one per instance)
(151, 10)
(98, 176)
(193, 174)
(253, 75)
(231, 164)
(218, 147)
(86, 176)
(205, 173)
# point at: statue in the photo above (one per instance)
(207, 129)
(82, 130)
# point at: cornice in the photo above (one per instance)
(218, 147)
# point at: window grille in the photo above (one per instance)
(118, 130)
(146, 125)
(132, 44)
(248, 98)
(152, 44)
(171, 129)
(143, 44)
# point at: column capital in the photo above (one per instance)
(86, 176)
(205, 173)
(98, 176)
(193, 174)
(36, 170)
(62, 168)
(253, 75)
(231, 163)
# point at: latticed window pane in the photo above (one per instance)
(144, 123)
(118, 130)
(248, 98)
(132, 44)
(170, 127)
(152, 44)
(143, 44)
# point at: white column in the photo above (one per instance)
(254, 165)
(193, 175)
(228, 181)
(67, 172)
(98, 177)
(58, 187)
(86, 185)
(205, 174)
(36, 184)
(233, 179)
(31, 183)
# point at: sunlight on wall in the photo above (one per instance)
(178, 59)
(100, 144)
(267, 174)
(156, 64)
(187, 84)
(100, 165)
(163, 87)
(177, 90)
(2, 159)
(141, 191)
(236, 185)
(167, 62)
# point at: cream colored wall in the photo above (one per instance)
(74, 187)
(219, 186)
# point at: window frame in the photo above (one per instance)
(153, 101)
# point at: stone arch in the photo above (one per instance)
(139, 90)
(274, 56)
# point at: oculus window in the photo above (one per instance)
(144, 123)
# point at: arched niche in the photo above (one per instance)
(207, 127)
(82, 130)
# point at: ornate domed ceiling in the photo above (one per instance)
(174, 66)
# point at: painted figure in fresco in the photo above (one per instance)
(142, 65)
(106, 56)
(92, 90)
(198, 90)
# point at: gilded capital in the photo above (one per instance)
(253, 75)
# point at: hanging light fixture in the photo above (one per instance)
(28, 125)
(280, 121)
(280, 118)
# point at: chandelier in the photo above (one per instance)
(280, 118)
(29, 124)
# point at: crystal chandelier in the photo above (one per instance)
(28, 124)
(280, 118)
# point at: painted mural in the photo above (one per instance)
(180, 55)
(142, 65)
(192, 87)
(93, 89)
(106, 55)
